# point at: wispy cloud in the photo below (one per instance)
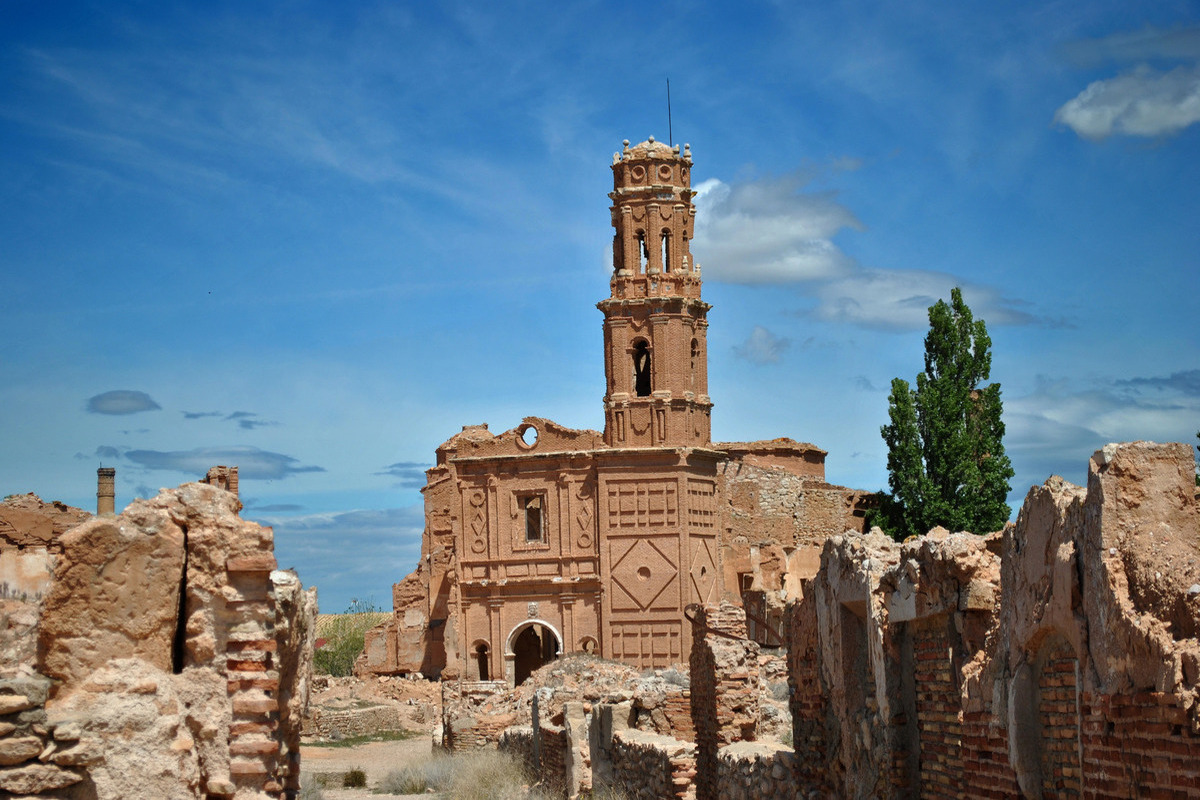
(252, 462)
(900, 300)
(410, 474)
(121, 401)
(248, 420)
(1055, 428)
(762, 346)
(201, 414)
(1144, 100)
(102, 452)
(392, 536)
(769, 231)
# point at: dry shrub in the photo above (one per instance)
(474, 775)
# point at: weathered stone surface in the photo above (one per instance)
(39, 778)
(12, 703)
(115, 595)
(15, 750)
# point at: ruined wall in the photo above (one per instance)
(724, 684)
(1056, 658)
(176, 660)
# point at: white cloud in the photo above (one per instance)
(769, 231)
(1143, 102)
(326, 549)
(1057, 427)
(762, 346)
(900, 300)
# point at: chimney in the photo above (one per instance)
(106, 481)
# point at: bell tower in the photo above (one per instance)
(655, 324)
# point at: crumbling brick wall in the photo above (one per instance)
(186, 682)
(1058, 658)
(724, 686)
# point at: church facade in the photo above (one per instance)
(544, 540)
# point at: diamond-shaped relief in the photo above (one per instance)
(478, 523)
(703, 570)
(584, 518)
(643, 572)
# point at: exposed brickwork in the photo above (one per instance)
(724, 686)
(938, 711)
(807, 700)
(1139, 745)
(985, 757)
(1058, 709)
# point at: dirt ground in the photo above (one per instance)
(419, 702)
(377, 759)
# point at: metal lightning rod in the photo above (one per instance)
(670, 134)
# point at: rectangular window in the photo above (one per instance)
(534, 523)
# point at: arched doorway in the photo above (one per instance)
(532, 645)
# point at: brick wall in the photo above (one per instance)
(938, 711)
(724, 687)
(1058, 709)
(807, 700)
(1139, 745)
(985, 757)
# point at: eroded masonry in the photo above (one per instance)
(545, 540)
(156, 653)
(1057, 658)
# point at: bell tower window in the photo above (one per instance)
(641, 368)
(666, 251)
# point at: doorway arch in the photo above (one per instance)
(531, 644)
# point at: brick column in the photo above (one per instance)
(724, 686)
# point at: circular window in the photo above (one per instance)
(664, 172)
(638, 173)
(527, 436)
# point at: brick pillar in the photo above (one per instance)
(253, 678)
(724, 686)
(106, 492)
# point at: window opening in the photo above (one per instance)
(666, 251)
(695, 358)
(533, 519)
(481, 658)
(644, 252)
(641, 368)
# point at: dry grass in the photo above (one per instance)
(475, 775)
(329, 623)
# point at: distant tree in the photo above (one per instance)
(946, 461)
(342, 637)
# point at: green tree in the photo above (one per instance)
(344, 636)
(946, 461)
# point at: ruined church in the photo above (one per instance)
(545, 540)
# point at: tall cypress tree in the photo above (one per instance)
(946, 461)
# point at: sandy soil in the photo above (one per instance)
(377, 759)
(419, 702)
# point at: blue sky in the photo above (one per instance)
(315, 239)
